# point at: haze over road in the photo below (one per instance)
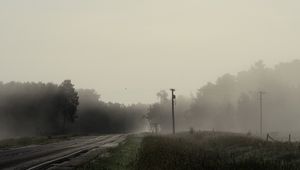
(61, 155)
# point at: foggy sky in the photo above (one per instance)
(130, 49)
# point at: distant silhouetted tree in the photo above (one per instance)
(68, 102)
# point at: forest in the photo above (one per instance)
(29, 109)
(231, 103)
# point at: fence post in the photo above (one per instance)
(267, 137)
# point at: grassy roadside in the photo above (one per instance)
(205, 150)
(122, 157)
(25, 141)
(216, 151)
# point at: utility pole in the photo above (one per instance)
(261, 110)
(173, 117)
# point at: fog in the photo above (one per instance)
(45, 109)
(232, 102)
(120, 59)
(142, 46)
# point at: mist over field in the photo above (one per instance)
(231, 103)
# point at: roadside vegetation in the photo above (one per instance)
(201, 150)
(122, 157)
(215, 151)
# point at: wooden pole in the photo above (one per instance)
(173, 116)
(261, 111)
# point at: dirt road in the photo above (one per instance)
(61, 155)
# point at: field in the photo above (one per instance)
(202, 150)
(217, 151)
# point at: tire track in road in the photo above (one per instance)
(42, 157)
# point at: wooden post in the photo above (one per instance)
(261, 111)
(173, 116)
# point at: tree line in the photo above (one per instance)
(50, 109)
(34, 108)
(229, 104)
(232, 102)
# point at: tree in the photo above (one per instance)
(163, 96)
(68, 102)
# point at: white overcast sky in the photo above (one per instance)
(143, 45)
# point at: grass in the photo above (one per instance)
(122, 157)
(25, 141)
(215, 151)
